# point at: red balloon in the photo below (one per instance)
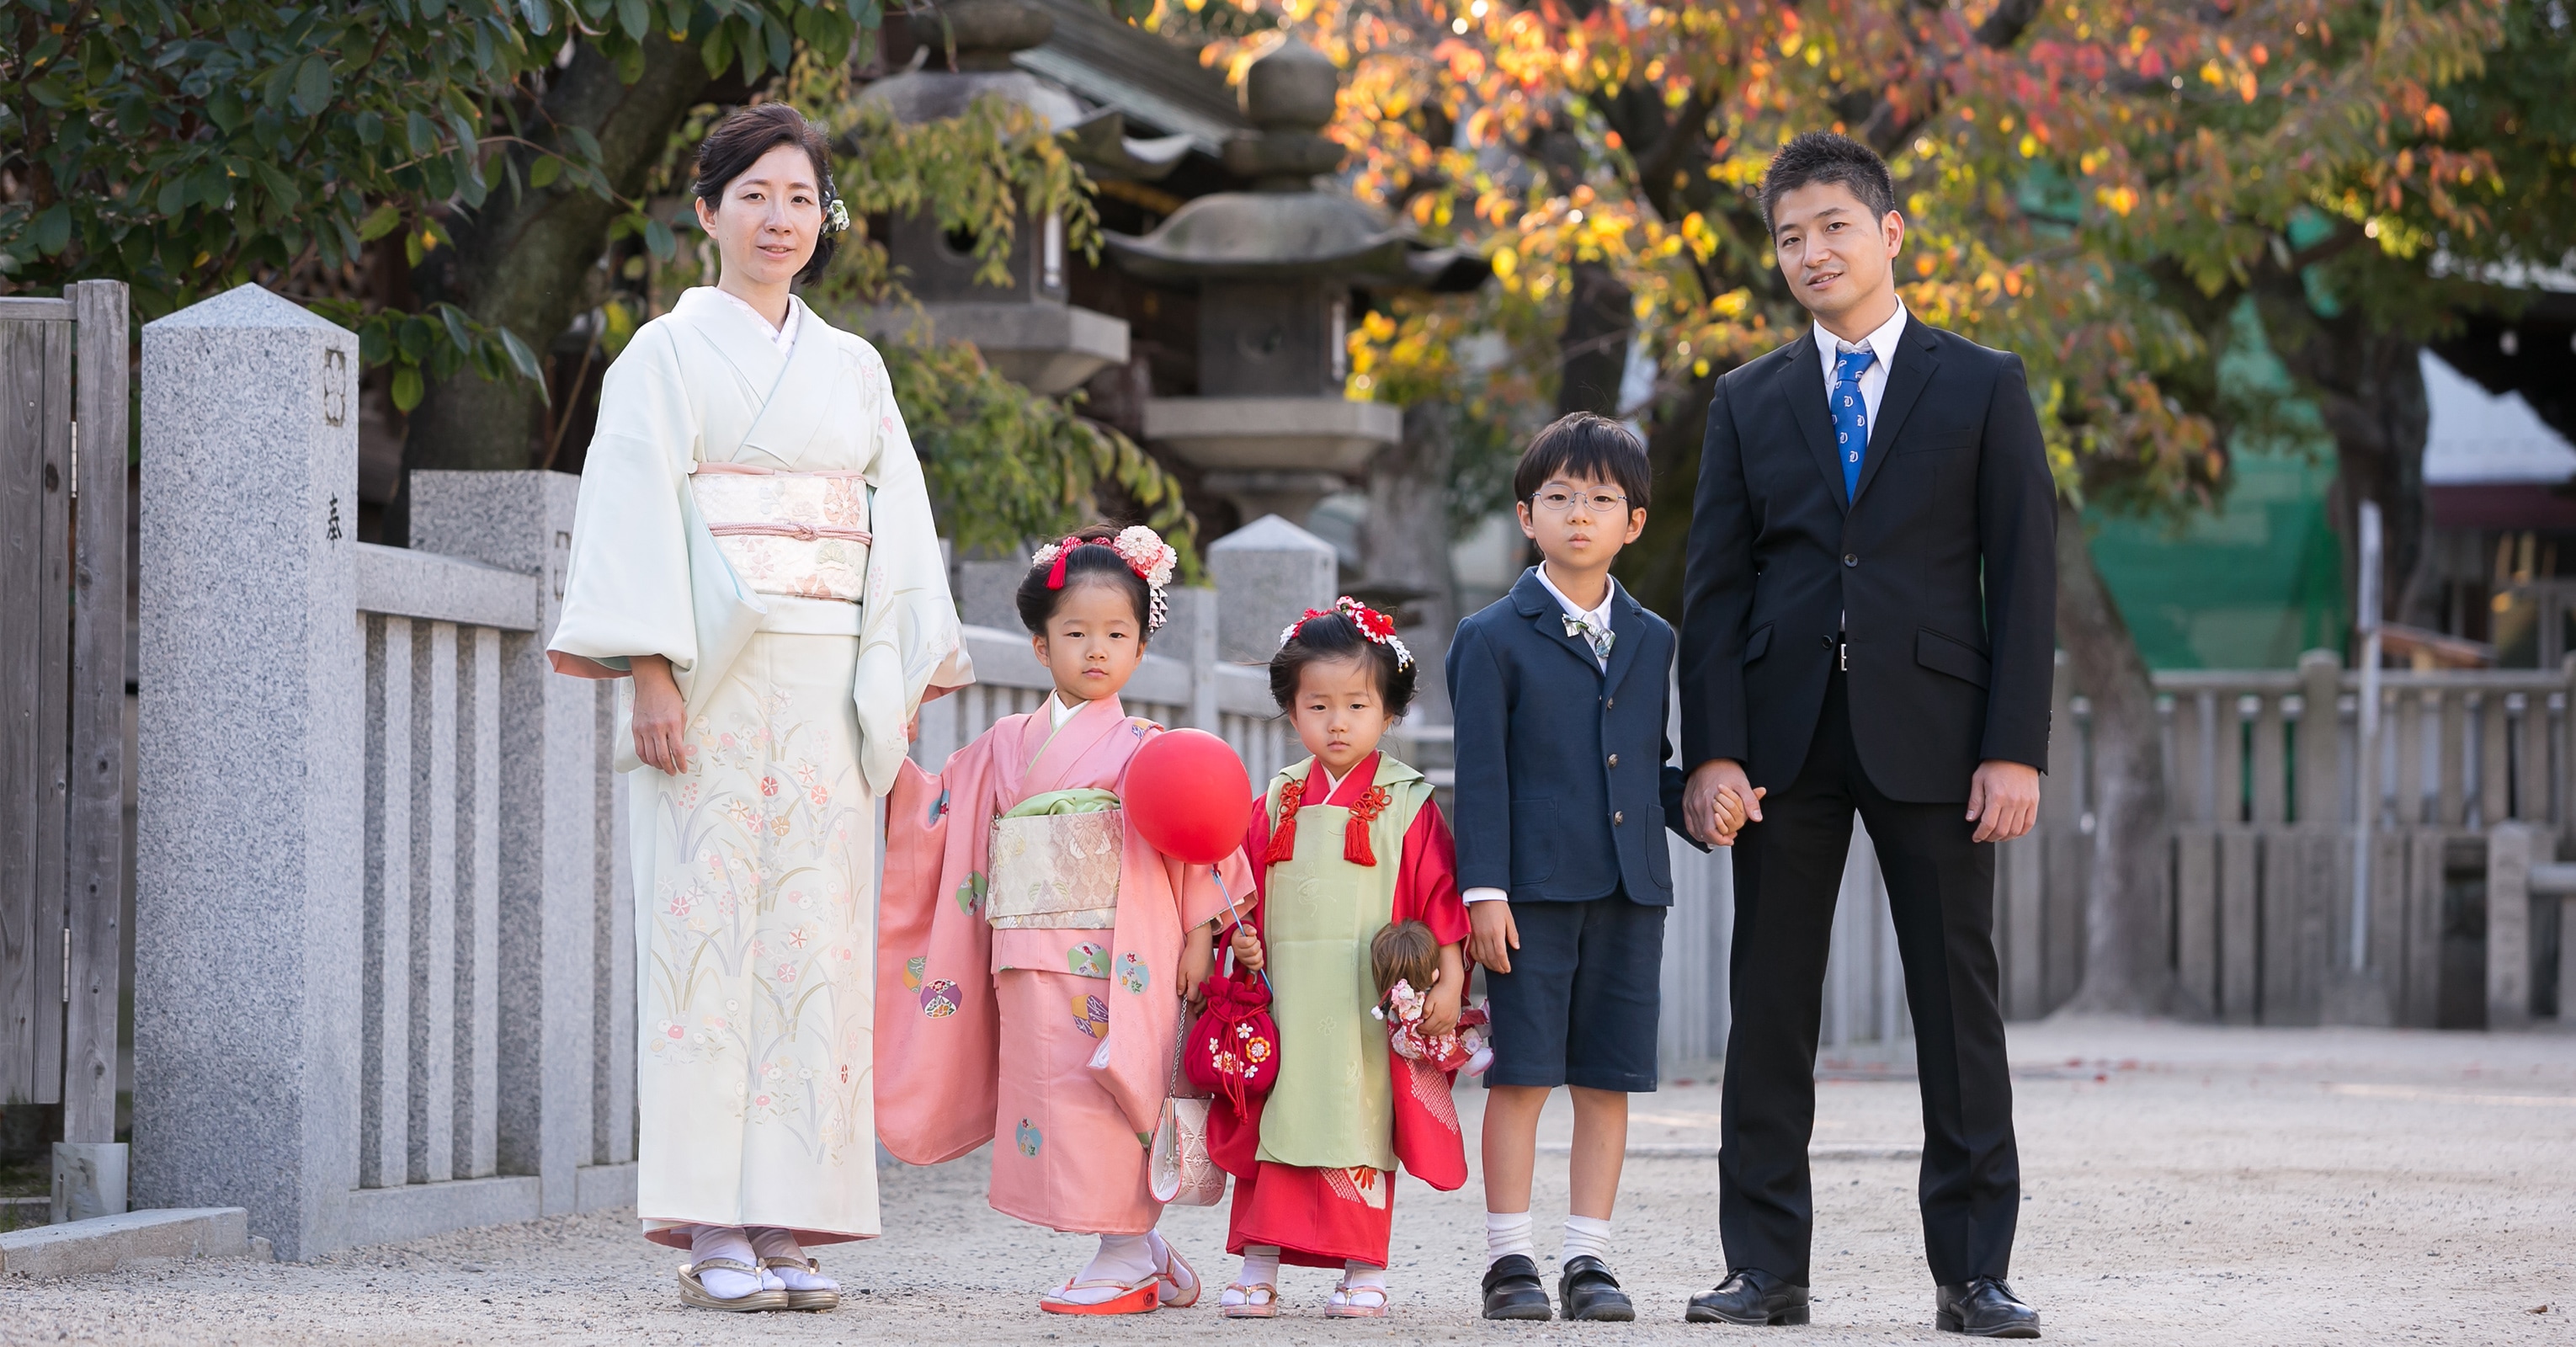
(1189, 796)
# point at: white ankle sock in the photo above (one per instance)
(1356, 1274)
(1507, 1233)
(1585, 1235)
(724, 1241)
(1260, 1266)
(770, 1241)
(1126, 1259)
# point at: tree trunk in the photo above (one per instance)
(1592, 354)
(1405, 543)
(2124, 949)
(2369, 388)
(520, 261)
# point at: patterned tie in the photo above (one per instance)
(1581, 628)
(1851, 413)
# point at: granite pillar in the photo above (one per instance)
(249, 849)
(550, 840)
(1269, 572)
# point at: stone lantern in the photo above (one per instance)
(1026, 329)
(1274, 268)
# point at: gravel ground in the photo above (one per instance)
(2242, 1185)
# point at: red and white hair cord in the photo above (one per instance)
(1375, 626)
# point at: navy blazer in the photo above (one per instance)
(1563, 790)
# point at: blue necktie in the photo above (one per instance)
(1851, 414)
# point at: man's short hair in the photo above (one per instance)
(1822, 156)
(1585, 445)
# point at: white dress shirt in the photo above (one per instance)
(1599, 617)
(1873, 381)
(784, 335)
(1059, 710)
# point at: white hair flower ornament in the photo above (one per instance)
(1145, 553)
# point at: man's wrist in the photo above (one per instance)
(1473, 896)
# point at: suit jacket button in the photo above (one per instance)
(1614, 759)
(1618, 818)
(1610, 704)
(1826, 641)
(1850, 560)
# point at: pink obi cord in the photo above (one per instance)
(748, 470)
(788, 528)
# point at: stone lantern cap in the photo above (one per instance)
(986, 34)
(1287, 227)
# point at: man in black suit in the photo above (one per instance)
(1869, 625)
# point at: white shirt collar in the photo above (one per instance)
(1598, 615)
(1881, 343)
(1060, 710)
(783, 336)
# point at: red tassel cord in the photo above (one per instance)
(1283, 838)
(1355, 838)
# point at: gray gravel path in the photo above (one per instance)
(2183, 1184)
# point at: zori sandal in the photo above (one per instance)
(1132, 1298)
(694, 1294)
(1348, 1304)
(1257, 1301)
(1179, 1282)
(818, 1298)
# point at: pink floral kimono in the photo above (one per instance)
(1029, 995)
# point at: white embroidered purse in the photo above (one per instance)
(1180, 1170)
(803, 534)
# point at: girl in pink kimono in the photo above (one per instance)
(1034, 951)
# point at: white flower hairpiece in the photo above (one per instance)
(1145, 553)
(1373, 625)
(837, 219)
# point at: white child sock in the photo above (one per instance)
(1260, 1266)
(1356, 1274)
(1585, 1235)
(1507, 1233)
(770, 1241)
(724, 1241)
(1125, 1259)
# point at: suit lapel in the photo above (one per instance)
(1547, 618)
(1628, 632)
(1906, 380)
(1805, 389)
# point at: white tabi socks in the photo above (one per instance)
(770, 1241)
(1123, 1259)
(727, 1241)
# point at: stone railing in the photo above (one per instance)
(383, 950)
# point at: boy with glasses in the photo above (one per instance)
(1561, 690)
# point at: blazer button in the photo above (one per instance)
(1610, 704)
(1618, 818)
(1614, 759)
(1850, 560)
(1826, 641)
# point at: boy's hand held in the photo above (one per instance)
(1492, 934)
(1704, 804)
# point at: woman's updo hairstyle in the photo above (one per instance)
(738, 142)
(1335, 636)
(1037, 598)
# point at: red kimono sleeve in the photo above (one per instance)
(1426, 889)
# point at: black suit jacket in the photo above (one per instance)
(1941, 571)
(1563, 789)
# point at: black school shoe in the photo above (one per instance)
(1513, 1290)
(1751, 1297)
(1984, 1308)
(1588, 1291)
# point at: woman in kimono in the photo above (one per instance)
(1036, 950)
(754, 548)
(1348, 841)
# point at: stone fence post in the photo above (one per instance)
(1267, 573)
(248, 804)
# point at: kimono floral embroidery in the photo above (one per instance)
(1028, 1138)
(1090, 959)
(1091, 1016)
(1131, 973)
(939, 1000)
(912, 972)
(970, 895)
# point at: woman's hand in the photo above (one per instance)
(1198, 958)
(1448, 994)
(1247, 947)
(660, 718)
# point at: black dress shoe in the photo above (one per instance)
(1751, 1297)
(1588, 1291)
(1513, 1290)
(1984, 1308)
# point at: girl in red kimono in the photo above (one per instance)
(1342, 844)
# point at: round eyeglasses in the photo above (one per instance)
(1556, 501)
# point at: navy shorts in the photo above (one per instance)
(1584, 999)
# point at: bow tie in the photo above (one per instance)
(1580, 627)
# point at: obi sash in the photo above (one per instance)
(1054, 863)
(802, 534)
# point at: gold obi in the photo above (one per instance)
(803, 534)
(1055, 871)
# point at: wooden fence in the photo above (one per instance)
(63, 377)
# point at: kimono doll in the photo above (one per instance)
(1035, 950)
(1347, 842)
(754, 557)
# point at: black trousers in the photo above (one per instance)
(1940, 888)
